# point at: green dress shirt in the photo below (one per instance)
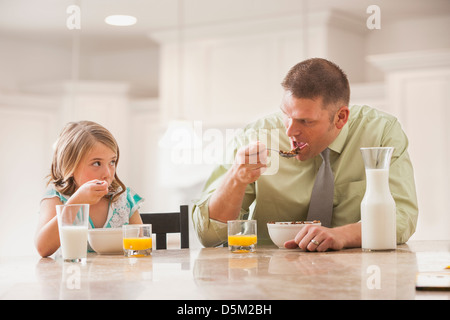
(283, 192)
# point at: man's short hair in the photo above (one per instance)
(317, 77)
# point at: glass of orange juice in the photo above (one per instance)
(242, 236)
(137, 240)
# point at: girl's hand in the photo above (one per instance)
(91, 192)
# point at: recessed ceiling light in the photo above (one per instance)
(120, 20)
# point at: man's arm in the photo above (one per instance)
(225, 203)
(228, 194)
(401, 182)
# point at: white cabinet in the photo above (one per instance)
(230, 74)
(418, 85)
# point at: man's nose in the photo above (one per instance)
(291, 129)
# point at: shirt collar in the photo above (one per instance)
(338, 144)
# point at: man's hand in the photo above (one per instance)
(318, 238)
(250, 163)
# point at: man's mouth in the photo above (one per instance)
(298, 144)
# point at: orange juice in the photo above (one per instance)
(242, 240)
(137, 243)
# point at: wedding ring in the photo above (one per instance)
(315, 242)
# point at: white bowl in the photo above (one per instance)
(280, 232)
(106, 240)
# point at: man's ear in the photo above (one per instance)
(342, 117)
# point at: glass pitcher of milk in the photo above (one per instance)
(378, 212)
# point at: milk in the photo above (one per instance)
(378, 212)
(73, 242)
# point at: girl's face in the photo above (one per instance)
(99, 163)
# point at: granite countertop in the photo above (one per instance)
(215, 273)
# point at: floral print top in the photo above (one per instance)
(119, 211)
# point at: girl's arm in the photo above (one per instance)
(135, 218)
(47, 234)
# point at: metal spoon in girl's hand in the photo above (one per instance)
(110, 191)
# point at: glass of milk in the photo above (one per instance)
(73, 231)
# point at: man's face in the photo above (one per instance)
(306, 121)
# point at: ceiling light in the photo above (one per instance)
(120, 20)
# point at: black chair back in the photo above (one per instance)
(169, 222)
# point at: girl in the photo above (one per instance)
(84, 171)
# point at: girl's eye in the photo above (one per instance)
(113, 163)
(96, 164)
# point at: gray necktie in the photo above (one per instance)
(321, 205)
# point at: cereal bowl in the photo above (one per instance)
(106, 240)
(280, 232)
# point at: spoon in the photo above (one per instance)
(289, 154)
(285, 154)
(110, 193)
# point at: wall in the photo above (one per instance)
(419, 94)
(27, 131)
(214, 64)
(219, 70)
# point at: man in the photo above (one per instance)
(314, 116)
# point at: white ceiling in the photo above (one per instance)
(44, 21)
(48, 17)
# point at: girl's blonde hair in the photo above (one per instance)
(74, 142)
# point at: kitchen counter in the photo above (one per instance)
(215, 273)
